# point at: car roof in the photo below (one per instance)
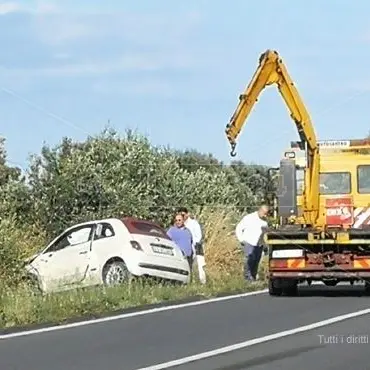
(95, 221)
(126, 220)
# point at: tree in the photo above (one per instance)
(14, 200)
(192, 160)
(111, 176)
(256, 178)
(7, 173)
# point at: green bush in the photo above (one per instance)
(112, 176)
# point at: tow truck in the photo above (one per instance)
(322, 226)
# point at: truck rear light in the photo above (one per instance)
(278, 263)
(135, 245)
(361, 263)
(289, 263)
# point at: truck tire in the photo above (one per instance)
(367, 287)
(274, 290)
(292, 290)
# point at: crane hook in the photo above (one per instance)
(233, 152)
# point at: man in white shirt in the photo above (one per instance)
(249, 232)
(193, 225)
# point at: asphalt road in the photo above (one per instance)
(344, 345)
(142, 341)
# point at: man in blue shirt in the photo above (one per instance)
(182, 237)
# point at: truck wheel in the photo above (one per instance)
(292, 290)
(367, 287)
(273, 289)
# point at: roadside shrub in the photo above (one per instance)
(17, 243)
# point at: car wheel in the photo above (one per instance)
(115, 273)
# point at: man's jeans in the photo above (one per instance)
(190, 261)
(252, 257)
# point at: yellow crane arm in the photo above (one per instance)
(271, 70)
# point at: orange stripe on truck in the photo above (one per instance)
(296, 263)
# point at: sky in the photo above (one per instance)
(174, 71)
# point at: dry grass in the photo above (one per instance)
(224, 258)
(19, 306)
(223, 254)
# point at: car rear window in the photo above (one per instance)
(145, 228)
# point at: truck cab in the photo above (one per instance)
(344, 183)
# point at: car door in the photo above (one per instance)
(104, 246)
(66, 261)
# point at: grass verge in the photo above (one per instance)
(21, 308)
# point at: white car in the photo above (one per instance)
(109, 252)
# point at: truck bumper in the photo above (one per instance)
(318, 275)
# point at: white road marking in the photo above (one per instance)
(127, 315)
(252, 342)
